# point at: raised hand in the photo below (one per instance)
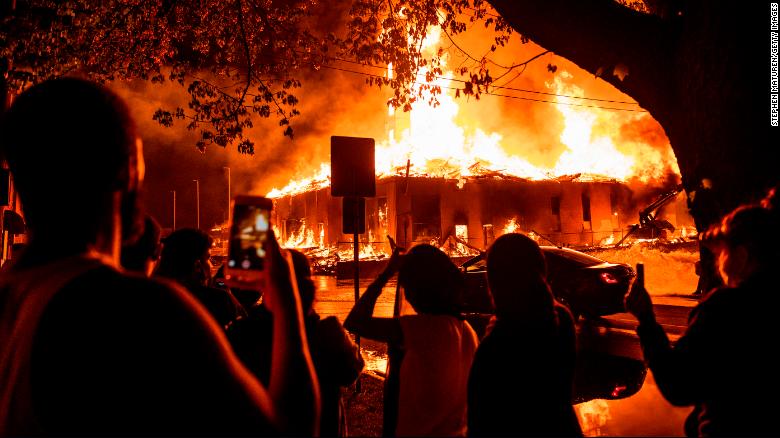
(638, 301)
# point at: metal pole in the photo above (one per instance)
(356, 257)
(174, 209)
(228, 199)
(197, 203)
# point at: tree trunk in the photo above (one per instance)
(701, 71)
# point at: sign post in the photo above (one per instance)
(354, 178)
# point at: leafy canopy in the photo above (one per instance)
(242, 59)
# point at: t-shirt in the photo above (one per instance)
(110, 353)
(438, 350)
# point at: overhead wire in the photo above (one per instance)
(501, 87)
(509, 96)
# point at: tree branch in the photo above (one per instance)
(599, 35)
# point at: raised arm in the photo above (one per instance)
(677, 370)
(293, 386)
(361, 318)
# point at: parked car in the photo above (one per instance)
(589, 286)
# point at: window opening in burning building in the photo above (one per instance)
(294, 232)
(462, 233)
(426, 218)
(587, 225)
(555, 208)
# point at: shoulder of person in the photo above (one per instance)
(330, 323)
(121, 295)
(717, 298)
(435, 325)
(717, 303)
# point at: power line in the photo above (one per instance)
(500, 95)
(502, 87)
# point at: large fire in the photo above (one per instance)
(431, 143)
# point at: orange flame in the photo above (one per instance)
(429, 138)
(511, 226)
(436, 146)
(593, 416)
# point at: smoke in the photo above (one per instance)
(332, 103)
(340, 103)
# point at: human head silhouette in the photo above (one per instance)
(185, 257)
(747, 240)
(517, 273)
(76, 160)
(432, 283)
(141, 254)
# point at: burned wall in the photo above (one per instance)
(422, 210)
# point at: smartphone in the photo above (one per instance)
(248, 233)
(640, 273)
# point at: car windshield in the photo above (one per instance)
(576, 256)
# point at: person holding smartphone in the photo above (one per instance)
(88, 349)
(724, 364)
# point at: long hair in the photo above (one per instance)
(517, 274)
(432, 283)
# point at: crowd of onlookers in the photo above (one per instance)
(105, 328)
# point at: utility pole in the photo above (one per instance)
(174, 209)
(228, 198)
(197, 203)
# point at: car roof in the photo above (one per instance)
(577, 256)
(567, 253)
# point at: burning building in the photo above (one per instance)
(439, 181)
(463, 216)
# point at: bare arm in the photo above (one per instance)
(293, 386)
(677, 370)
(361, 318)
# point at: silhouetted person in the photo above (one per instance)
(247, 298)
(141, 255)
(706, 210)
(186, 259)
(86, 349)
(436, 345)
(725, 362)
(523, 372)
(337, 359)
